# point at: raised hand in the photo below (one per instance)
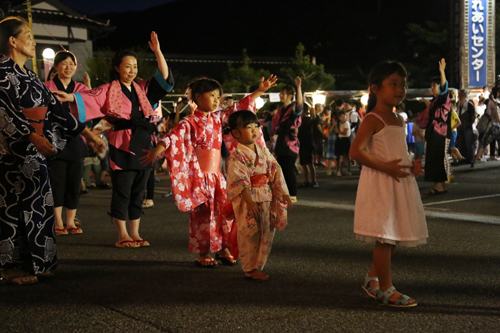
(267, 84)
(298, 81)
(395, 170)
(154, 44)
(442, 65)
(86, 80)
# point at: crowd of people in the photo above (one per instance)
(234, 173)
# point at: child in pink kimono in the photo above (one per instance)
(193, 153)
(258, 192)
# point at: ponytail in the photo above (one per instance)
(372, 102)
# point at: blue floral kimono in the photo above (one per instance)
(27, 238)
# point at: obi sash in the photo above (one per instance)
(36, 117)
(259, 180)
(208, 159)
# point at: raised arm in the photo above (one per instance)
(298, 83)
(442, 66)
(264, 86)
(154, 44)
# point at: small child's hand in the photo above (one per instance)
(395, 170)
(417, 168)
(150, 158)
(288, 201)
(253, 209)
(267, 84)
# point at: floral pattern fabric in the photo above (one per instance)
(27, 237)
(202, 194)
(255, 235)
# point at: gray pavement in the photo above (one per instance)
(316, 270)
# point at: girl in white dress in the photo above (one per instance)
(388, 210)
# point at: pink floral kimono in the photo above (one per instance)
(193, 157)
(261, 174)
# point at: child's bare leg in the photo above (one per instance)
(339, 164)
(382, 254)
(305, 170)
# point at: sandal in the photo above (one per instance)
(382, 298)
(147, 205)
(370, 290)
(226, 260)
(61, 232)
(78, 222)
(142, 242)
(200, 262)
(258, 276)
(127, 244)
(436, 192)
(15, 276)
(75, 231)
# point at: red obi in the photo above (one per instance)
(35, 117)
(208, 159)
(259, 180)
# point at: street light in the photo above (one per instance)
(259, 102)
(319, 97)
(48, 53)
(48, 61)
(364, 99)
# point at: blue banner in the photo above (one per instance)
(477, 43)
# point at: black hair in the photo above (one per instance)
(494, 92)
(117, 60)
(273, 107)
(349, 101)
(339, 102)
(378, 74)
(327, 108)
(10, 27)
(436, 80)
(52, 70)
(240, 119)
(63, 55)
(340, 112)
(288, 89)
(203, 85)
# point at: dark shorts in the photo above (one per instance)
(342, 146)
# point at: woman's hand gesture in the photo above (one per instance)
(298, 81)
(42, 145)
(154, 44)
(64, 97)
(442, 65)
(395, 170)
(267, 84)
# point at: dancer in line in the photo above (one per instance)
(258, 192)
(130, 108)
(193, 152)
(33, 127)
(388, 210)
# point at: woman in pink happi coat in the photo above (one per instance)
(193, 152)
(127, 106)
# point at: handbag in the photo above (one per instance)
(483, 123)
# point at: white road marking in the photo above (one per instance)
(464, 199)
(487, 219)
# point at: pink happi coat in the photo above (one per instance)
(110, 102)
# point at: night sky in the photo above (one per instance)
(343, 35)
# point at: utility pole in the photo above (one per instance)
(30, 22)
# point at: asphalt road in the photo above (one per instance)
(316, 270)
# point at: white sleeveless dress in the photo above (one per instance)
(388, 211)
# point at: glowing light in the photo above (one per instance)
(259, 102)
(364, 99)
(319, 98)
(48, 53)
